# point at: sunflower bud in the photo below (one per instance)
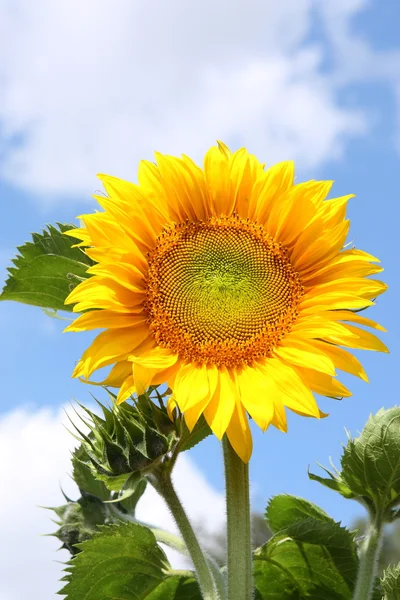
(127, 443)
(78, 521)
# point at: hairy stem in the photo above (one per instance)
(208, 586)
(238, 525)
(369, 557)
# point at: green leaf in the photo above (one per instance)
(123, 562)
(190, 439)
(46, 269)
(176, 587)
(371, 466)
(390, 583)
(337, 541)
(310, 556)
(284, 510)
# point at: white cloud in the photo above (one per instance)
(353, 56)
(96, 86)
(34, 461)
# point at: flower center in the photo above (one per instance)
(220, 292)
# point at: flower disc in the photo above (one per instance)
(231, 284)
(220, 292)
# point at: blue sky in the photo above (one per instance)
(315, 81)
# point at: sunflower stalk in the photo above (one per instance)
(238, 525)
(211, 586)
(369, 557)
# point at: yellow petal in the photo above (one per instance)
(364, 340)
(152, 187)
(223, 148)
(323, 384)
(104, 230)
(127, 275)
(359, 286)
(133, 223)
(127, 390)
(148, 364)
(279, 419)
(184, 188)
(166, 376)
(98, 292)
(293, 393)
(348, 315)
(244, 172)
(269, 188)
(292, 214)
(192, 414)
(193, 384)
(111, 346)
(116, 377)
(218, 411)
(304, 354)
(81, 234)
(333, 301)
(333, 211)
(216, 169)
(239, 434)
(342, 359)
(320, 327)
(171, 407)
(257, 394)
(103, 319)
(313, 250)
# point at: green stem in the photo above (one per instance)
(175, 542)
(170, 540)
(369, 557)
(165, 488)
(238, 526)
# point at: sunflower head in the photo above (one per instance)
(230, 284)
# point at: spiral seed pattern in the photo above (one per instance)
(220, 292)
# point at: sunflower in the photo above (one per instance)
(230, 284)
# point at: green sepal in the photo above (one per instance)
(129, 504)
(114, 483)
(47, 269)
(334, 483)
(128, 488)
(390, 583)
(84, 478)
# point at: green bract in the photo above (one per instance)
(391, 583)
